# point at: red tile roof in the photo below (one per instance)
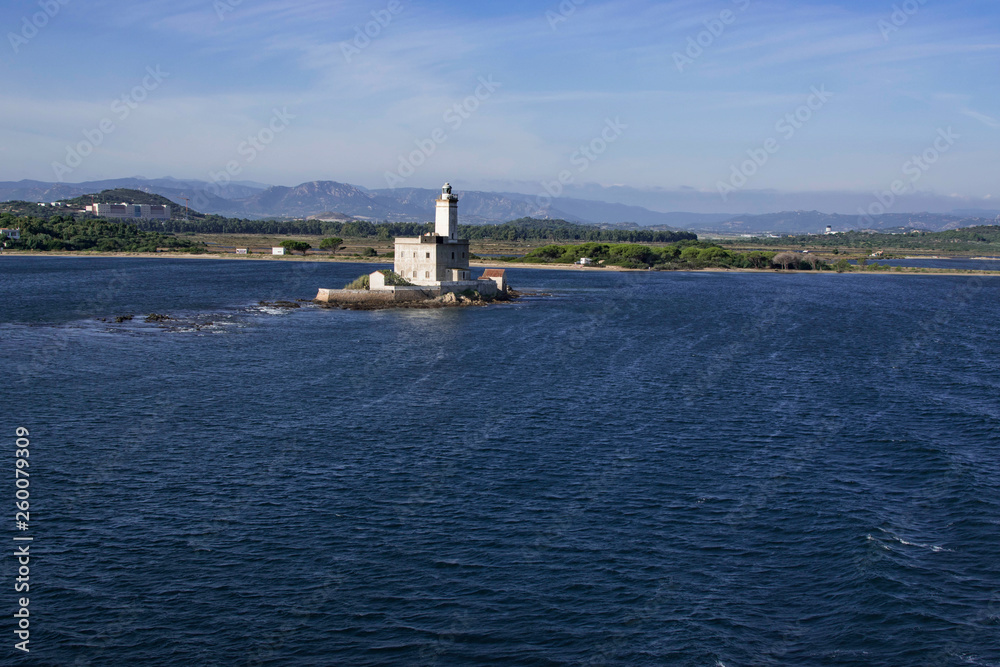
(494, 273)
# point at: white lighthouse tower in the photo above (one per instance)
(446, 214)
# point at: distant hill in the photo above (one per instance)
(604, 212)
(979, 213)
(479, 207)
(316, 199)
(310, 198)
(77, 204)
(253, 200)
(17, 207)
(219, 198)
(476, 207)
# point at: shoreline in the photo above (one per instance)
(912, 271)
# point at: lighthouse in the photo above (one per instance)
(438, 258)
(446, 214)
(433, 265)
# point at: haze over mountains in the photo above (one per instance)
(330, 199)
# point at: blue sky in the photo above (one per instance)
(894, 76)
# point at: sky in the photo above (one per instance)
(719, 98)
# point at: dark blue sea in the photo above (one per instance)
(706, 469)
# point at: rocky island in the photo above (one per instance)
(430, 271)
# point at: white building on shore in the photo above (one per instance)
(129, 211)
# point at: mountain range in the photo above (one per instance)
(333, 200)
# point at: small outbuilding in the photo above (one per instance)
(499, 276)
(277, 251)
(376, 281)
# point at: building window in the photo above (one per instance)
(414, 274)
(463, 255)
(453, 255)
(427, 274)
(428, 255)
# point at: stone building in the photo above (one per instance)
(498, 276)
(437, 258)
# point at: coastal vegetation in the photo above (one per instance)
(685, 255)
(523, 229)
(63, 232)
(984, 238)
(692, 256)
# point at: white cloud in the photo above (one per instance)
(988, 121)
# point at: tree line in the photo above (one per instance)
(524, 229)
(684, 255)
(64, 232)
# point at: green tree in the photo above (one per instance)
(715, 255)
(295, 246)
(759, 259)
(332, 244)
(690, 253)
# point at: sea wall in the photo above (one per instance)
(389, 295)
